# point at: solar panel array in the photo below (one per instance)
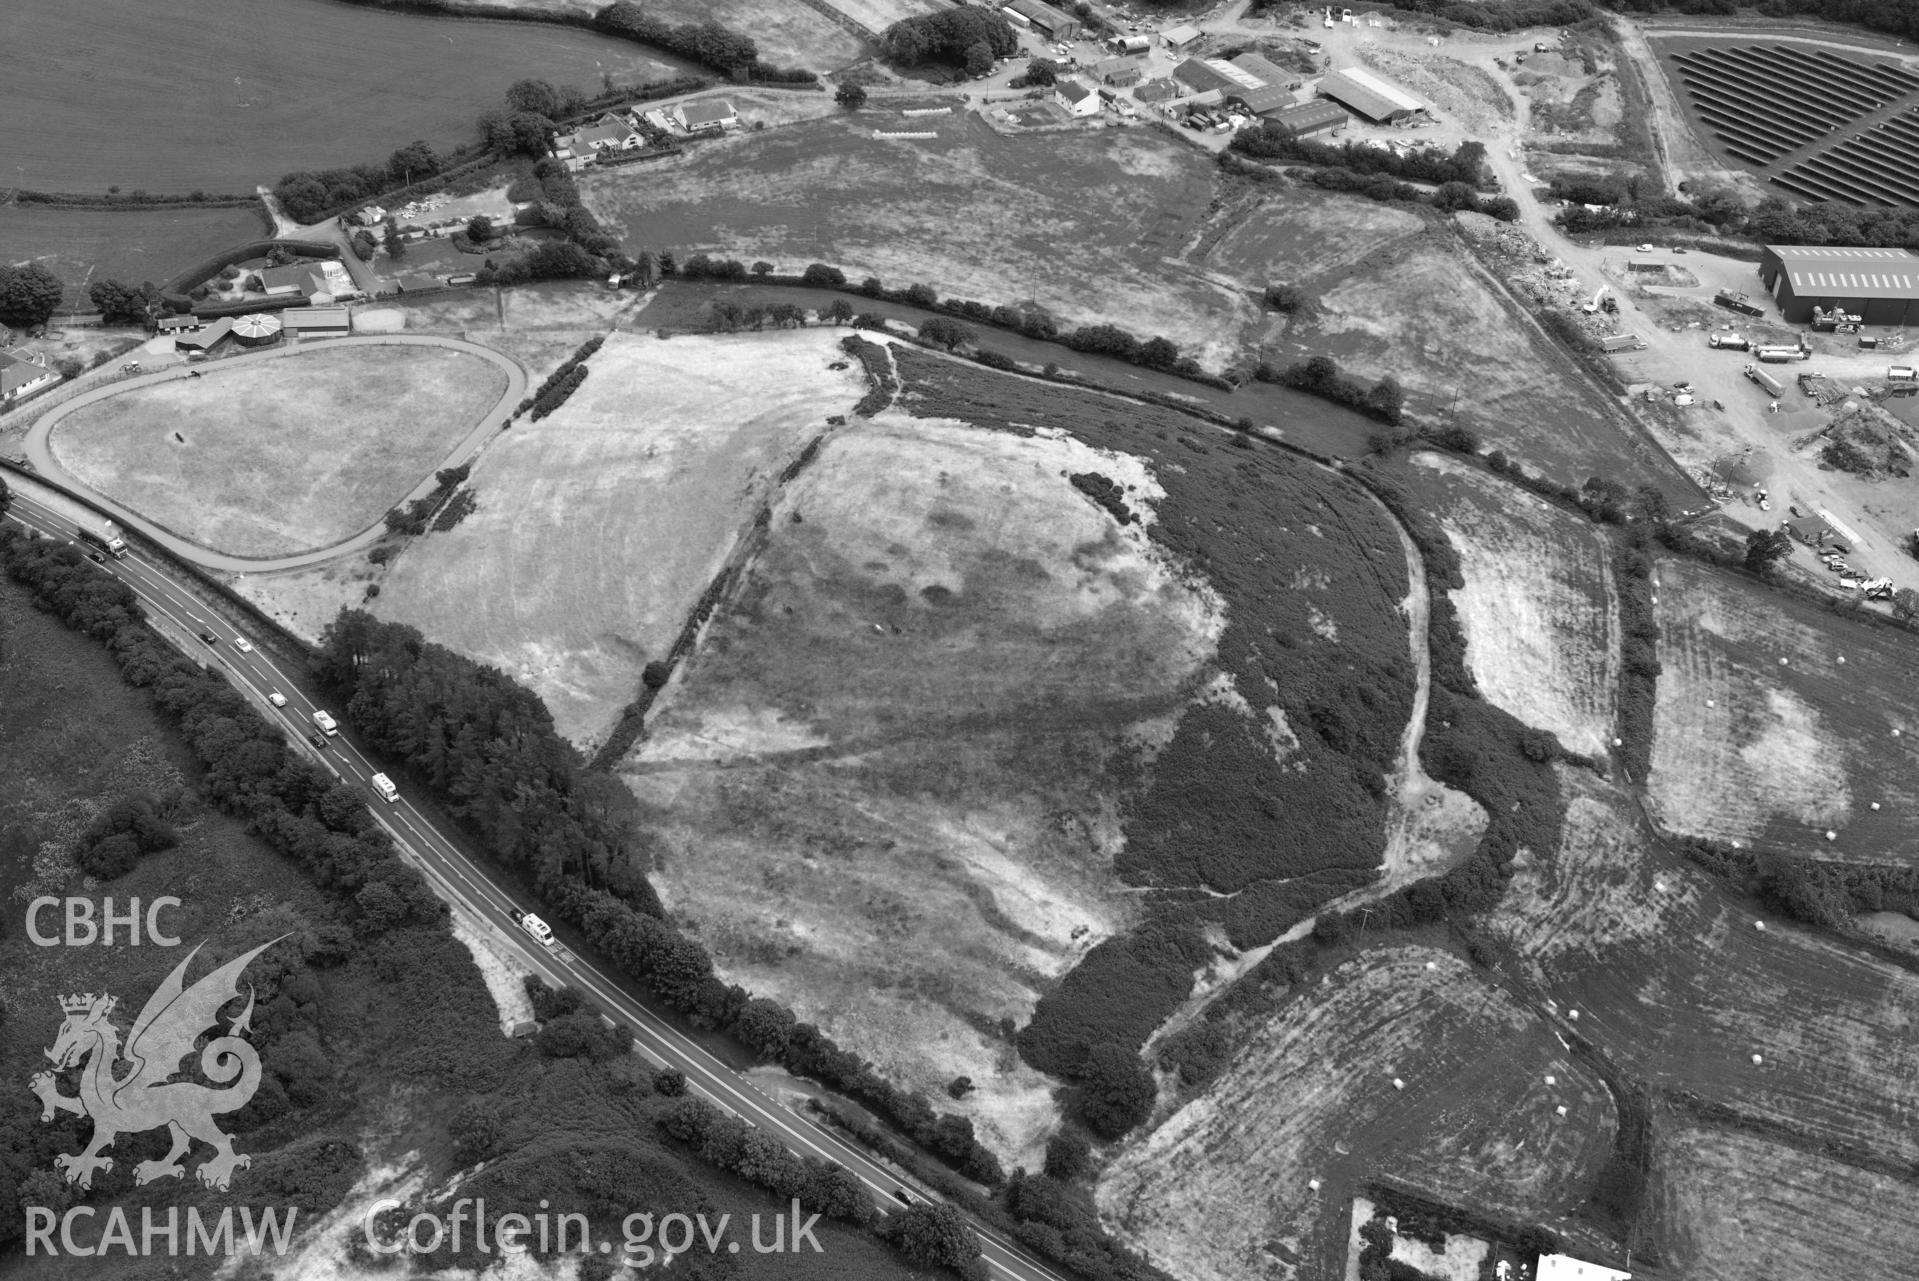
(1877, 167)
(1764, 102)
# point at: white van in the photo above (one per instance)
(325, 723)
(384, 786)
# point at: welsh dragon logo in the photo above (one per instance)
(144, 1096)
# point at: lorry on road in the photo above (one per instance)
(1729, 342)
(88, 525)
(101, 533)
(325, 722)
(1765, 380)
(384, 786)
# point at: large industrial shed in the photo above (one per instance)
(1880, 285)
(1364, 93)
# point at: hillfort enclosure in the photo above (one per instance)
(865, 640)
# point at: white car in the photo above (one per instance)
(1647, 249)
(277, 698)
(540, 930)
(242, 644)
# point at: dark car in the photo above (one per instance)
(96, 558)
(209, 638)
(318, 740)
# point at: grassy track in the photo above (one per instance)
(281, 455)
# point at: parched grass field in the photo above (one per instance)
(788, 32)
(1735, 1207)
(81, 246)
(971, 213)
(1673, 981)
(270, 457)
(181, 97)
(1763, 734)
(881, 780)
(1539, 606)
(600, 525)
(1421, 310)
(1220, 1190)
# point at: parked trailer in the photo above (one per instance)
(1738, 302)
(1778, 355)
(1765, 380)
(1729, 342)
(1622, 342)
(1901, 374)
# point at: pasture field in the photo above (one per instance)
(788, 32)
(971, 213)
(1462, 348)
(1764, 735)
(1734, 1206)
(1220, 1190)
(1674, 982)
(219, 109)
(877, 15)
(81, 246)
(1539, 606)
(600, 525)
(893, 737)
(959, 690)
(271, 457)
(1298, 235)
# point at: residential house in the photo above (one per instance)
(1119, 72)
(1079, 99)
(21, 378)
(297, 279)
(706, 115)
(608, 133)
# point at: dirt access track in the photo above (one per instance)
(41, 456)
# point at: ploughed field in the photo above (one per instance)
(1222, 1189)
(1679, 986)
(182, 96)
(999, 654)
(271, 457)
(1779, 720)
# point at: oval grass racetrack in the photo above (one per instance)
(280, 456)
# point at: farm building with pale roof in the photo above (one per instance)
(1880, 285)
(1563, 1267)
(1368, 95)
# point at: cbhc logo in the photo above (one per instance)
(83, 930)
